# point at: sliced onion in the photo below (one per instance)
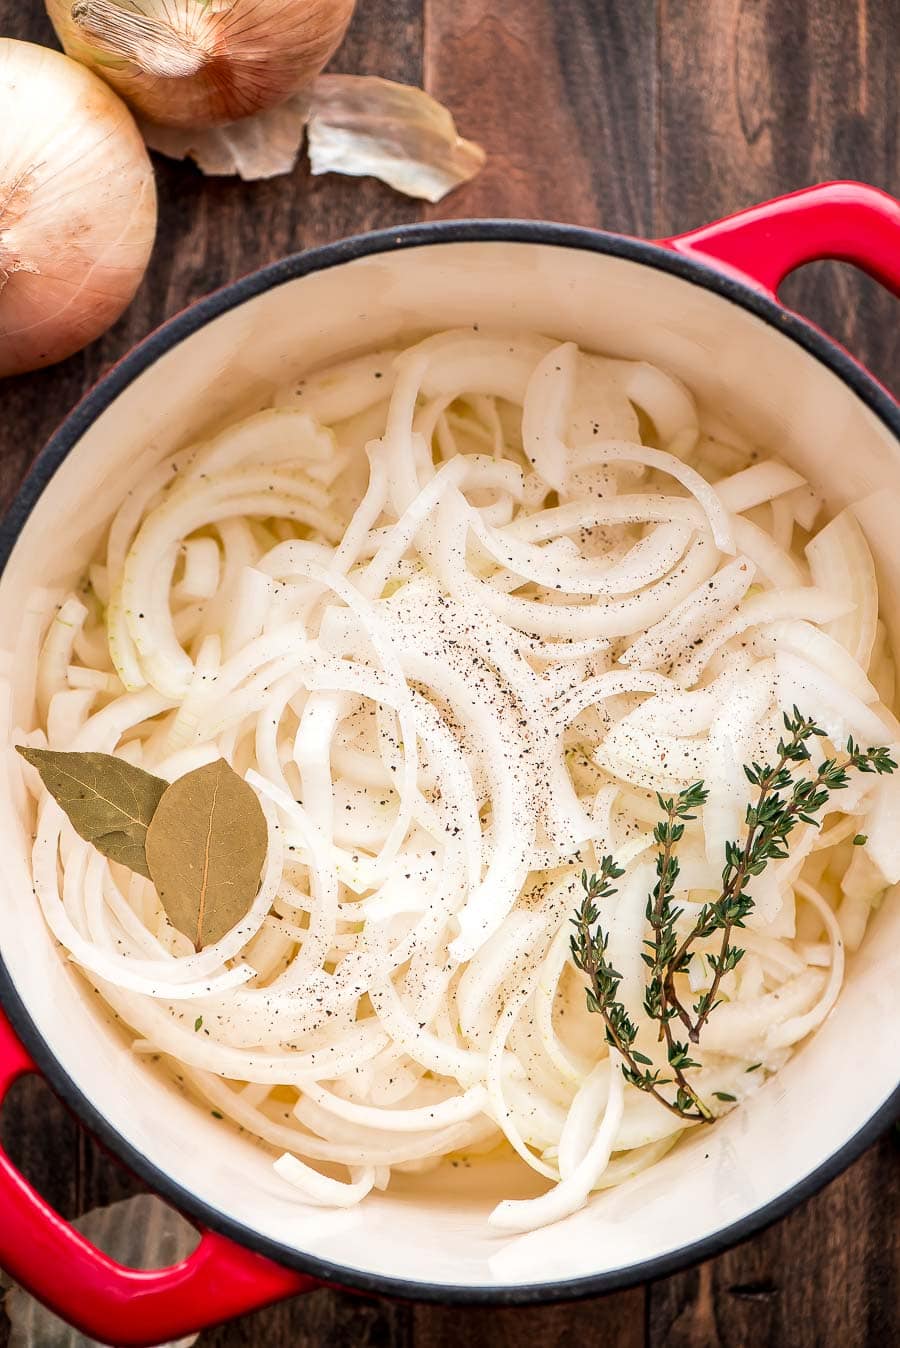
(447, 693)
(841, 563)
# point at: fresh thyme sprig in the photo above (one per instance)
(589, 945)
(784, 799)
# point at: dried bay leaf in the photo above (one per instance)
(206, 848)
(109, 802)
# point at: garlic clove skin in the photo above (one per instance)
(199, 63)
(77, 207)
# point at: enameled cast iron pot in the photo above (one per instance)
(702, 305)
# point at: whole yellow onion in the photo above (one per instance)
(77, 206)
(196, 63)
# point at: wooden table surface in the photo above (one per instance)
(641, 116)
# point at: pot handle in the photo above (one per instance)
(104, 1299)
(846, 221)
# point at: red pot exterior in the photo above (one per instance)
(846, 221)
(105, 1300)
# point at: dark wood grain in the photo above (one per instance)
(562, 94)
(613, 1322)
(644, 116)
(760, 97)
(43, 1140)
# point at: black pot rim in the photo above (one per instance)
(164, 339)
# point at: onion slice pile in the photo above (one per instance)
(456, 623)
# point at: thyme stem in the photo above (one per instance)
(616, 1035)
(660, 893)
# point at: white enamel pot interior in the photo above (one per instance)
(778, 382)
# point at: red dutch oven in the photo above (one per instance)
(704, 305)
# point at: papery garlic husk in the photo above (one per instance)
(197, 63)
(77, 207)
